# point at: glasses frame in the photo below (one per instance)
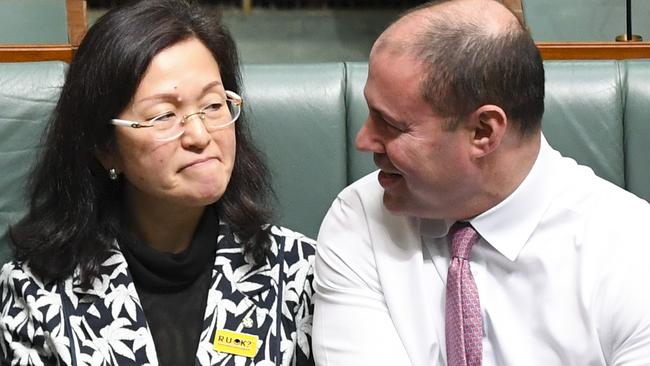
(231, 96)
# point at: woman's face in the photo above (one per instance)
(192, 170)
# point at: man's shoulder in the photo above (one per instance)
(615, 203)
(594, 195)
(366, 187)
(362, 200)
(358, 212)
(601, 208)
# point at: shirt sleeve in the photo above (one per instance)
(623, 303)
(622, 294)
(352, 324)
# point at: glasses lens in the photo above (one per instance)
(222, 116)
(214, 116)
(167, 126)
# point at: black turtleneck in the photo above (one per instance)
(173, 289)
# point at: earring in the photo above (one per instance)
(112, 174)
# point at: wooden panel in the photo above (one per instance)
(77, 23)
(247, 6)
(593, 50)
(24, 53)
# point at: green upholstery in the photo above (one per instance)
(27, 97)
(305, 118)
(637, 127)
(33, 21)
(357, 112)
(297, 114)
(584, 114)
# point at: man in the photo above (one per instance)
(476, 243)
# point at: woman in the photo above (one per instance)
(146, 240)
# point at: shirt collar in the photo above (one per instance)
(508, 225)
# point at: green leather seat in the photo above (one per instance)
(583, 114)
(27, 97)
(305, 119)
(297, 114)
(357, 112)
(637, 126)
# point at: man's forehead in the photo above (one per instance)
(398, 37)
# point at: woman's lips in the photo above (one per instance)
(197, 162)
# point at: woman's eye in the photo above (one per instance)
(165, 117)
(212, 107)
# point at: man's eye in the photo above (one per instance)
(393, 126)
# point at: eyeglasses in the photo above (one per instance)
(169, 125)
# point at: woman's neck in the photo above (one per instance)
(163, 226)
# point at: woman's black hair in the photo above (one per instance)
(74, 213)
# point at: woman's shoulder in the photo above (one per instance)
(20, 287)
(15, 272)
(294, 244)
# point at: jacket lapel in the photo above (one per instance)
(241, 299)
(108, 321)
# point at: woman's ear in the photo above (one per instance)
(489, 124)
(107, 159)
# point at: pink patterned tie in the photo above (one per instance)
(463, 323)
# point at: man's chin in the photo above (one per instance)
(394, 203)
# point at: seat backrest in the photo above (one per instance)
(584, 109)
(297, 115)
(583, 114)
(27, 97)
(637, 127)
(304, 118)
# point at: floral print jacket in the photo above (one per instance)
(63, 324)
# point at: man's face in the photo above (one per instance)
(425, 169)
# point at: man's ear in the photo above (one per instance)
(488, 125)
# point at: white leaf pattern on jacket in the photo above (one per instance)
(109, 325)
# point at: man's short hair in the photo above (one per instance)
(468, 65)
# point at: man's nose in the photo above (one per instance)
(368, 138)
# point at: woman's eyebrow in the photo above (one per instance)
(174, 95)
(210, 86)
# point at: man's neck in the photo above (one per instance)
(503, 173)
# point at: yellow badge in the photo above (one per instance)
(240, 344)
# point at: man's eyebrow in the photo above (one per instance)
(383, 115)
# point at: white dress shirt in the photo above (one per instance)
(561, 268)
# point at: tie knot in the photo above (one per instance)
(463, 237)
